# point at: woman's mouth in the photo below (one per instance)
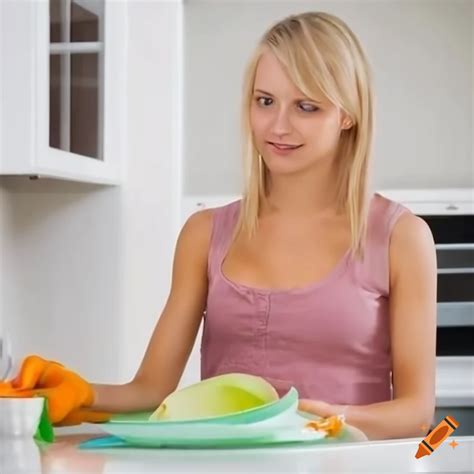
(283, 148)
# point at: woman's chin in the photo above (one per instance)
(286, 166)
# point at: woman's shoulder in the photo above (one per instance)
(225, 216)
(398, 218)
(392, 228)
(196, 232)
(410, 235)
(382, 205)
(411, 247)
(384, 213)
(200, 224)
(401, 227)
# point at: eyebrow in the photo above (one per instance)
(299, 99)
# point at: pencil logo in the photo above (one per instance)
(436, 437)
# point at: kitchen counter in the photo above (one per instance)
(25, 456)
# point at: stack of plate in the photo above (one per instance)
(277, 422)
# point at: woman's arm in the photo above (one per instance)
(413, 277)
(174, 335)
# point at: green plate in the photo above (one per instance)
(278, 422)
(256, 424)
(286, 432)
(284, 428)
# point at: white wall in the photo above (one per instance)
(86, 268)
(422, 56)
(3, 232)
(151, 209)
(57, 299)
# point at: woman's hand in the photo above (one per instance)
(66, 392)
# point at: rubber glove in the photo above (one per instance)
(68, 395)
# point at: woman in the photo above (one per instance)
(310, 280)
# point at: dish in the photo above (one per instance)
(277, 422)
(349, 434)
(20, 417)
(251, 415)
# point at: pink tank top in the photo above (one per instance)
(330, 340)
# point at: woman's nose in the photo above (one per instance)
(281, 124)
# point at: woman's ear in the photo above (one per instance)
(346, 124)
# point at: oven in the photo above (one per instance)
(454, 238)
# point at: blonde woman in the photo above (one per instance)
(310, 280)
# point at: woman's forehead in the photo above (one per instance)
(272, 77)
(270, 73)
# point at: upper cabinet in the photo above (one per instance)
(63, 89)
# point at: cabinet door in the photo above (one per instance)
(63, 89)
(81, 88)
(76, 77)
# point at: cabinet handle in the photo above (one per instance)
(452, 270)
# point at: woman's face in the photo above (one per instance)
(291, 131)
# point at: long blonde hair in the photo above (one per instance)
(319, 52)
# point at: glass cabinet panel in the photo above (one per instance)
(86, 23)
(56, 12)
(76, 76)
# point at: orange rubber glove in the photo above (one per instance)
(68, 395)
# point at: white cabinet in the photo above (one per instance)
(63, 89)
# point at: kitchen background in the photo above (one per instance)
(85, 266)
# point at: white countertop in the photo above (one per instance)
(25, 456)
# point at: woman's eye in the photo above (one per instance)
(264, 101)
(305, 107)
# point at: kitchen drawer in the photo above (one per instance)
(448, 229)
(454, 257)
(459, 313)
(455, 287)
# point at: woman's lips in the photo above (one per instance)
(283, 149)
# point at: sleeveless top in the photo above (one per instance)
(330, 340)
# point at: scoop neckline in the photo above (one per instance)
(336, 271)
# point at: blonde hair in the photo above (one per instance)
(319, 52)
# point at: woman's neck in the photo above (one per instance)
(311, 193)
